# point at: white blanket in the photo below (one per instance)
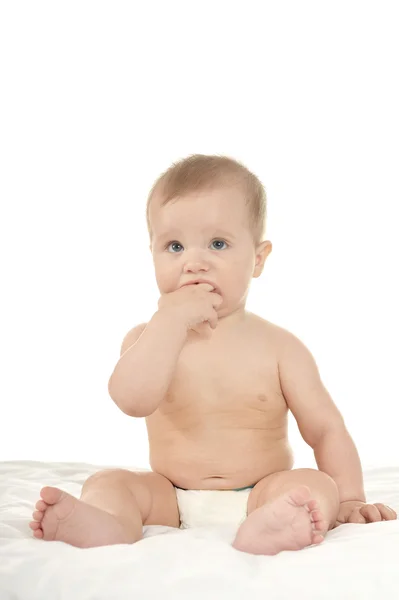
(354, 562)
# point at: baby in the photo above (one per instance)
(215, 383)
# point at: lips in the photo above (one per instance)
(196, 281)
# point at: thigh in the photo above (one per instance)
(276, 484)
(163, 509)
(155, 495)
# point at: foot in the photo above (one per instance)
(60, 516)
(289, 522)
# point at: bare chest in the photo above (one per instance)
(223, 422)
(234, 379)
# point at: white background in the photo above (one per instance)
(97, 98)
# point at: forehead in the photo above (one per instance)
(201, 211)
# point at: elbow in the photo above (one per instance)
(130, 406)
(133, 410)
(331, 429)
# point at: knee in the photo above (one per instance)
(320, 477)
(327, 480)
(103, 477)
(320, 480)
(316, 480)
(123, 477)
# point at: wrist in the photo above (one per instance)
(170, 318)
(361, 498)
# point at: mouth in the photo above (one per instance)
(215, 289)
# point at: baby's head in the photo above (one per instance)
(206, 218)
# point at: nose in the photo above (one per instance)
(195, 262)
(194, 266)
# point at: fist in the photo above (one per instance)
(194, 305)
(353, 511)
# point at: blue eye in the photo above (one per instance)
(172, 244)
(222, 241)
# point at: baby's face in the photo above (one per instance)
(205, 236)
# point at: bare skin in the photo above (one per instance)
(223, 398)
(60, 516)
(222, 424)
(291, 522)
(201, 418)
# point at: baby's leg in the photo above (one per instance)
(288, 511)
(114, 506)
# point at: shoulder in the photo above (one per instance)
(132, 336)
(271, 330)
(285, 342)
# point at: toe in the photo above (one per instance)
(317, 539)
(34, 525)
(51, 495)
(316, 515)
(38, 534)
(320, 525)
(41, 505)
(312, 505)
(38, 515)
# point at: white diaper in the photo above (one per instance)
(202, 508)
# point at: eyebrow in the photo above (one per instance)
(176, 233)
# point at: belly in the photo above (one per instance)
(220, 459)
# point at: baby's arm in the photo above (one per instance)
(145, 369)
(319, 420)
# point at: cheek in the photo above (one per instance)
(165, 275)
(243, 271)
(242, 266)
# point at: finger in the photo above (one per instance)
(340, 521)
(213, 318)
(343, 517)
(213, 322)
(201, 327)
(387, 513)
(216, 300)
(370, 513)
(203, 286)
(356, 517)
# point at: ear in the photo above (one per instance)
(262, 252)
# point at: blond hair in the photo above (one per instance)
(198, 172)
